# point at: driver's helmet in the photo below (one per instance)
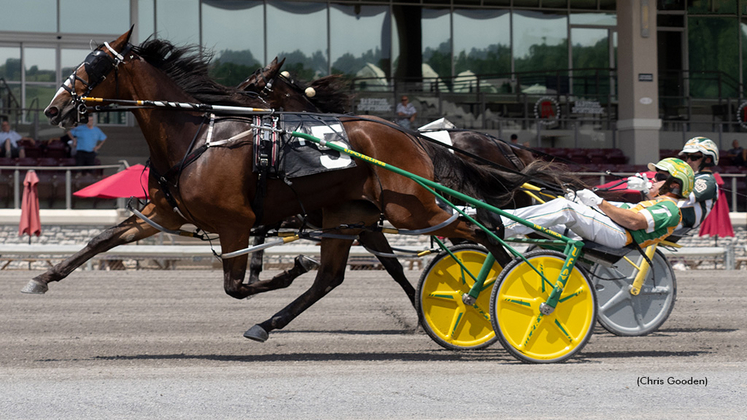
(678, 170)
(703, 145)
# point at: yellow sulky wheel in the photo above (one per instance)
(515, 309)
(444, 316)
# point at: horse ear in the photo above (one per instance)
(129, 33)
(273, 69)
(124, 38)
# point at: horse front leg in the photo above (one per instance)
(131, 230)
(334, 257)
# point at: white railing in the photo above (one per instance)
(17, 178)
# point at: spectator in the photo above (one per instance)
(406, 113)
(737, 154)
(9, 139)
(87, 140)
(514, 139)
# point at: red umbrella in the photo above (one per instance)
(30, 221)
(132, 182)
(718, 222)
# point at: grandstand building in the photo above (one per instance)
(638, 75)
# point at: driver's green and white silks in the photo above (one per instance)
(700, 202)
(662, 216)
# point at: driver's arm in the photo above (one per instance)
(624, 217)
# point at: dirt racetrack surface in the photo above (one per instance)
(144, 344)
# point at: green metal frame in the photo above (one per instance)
(572, 247)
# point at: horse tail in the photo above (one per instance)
(492, 185)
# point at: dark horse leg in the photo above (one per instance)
(377, 241)
(301, 264)
(334, 257)
(130, 230)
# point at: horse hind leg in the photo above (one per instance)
(330, 275)
(376, 241)
(130, 230)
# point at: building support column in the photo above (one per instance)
(638, 121)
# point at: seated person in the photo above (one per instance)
(9, 142)
(737, 154)
(701, 153)
(614, 226)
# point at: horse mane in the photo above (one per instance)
(188, 67)
(495, 186)
(331, 94)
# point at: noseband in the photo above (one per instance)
(98, 64)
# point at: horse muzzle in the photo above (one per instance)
(63, 116)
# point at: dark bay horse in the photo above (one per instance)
(216, 189)
(329, 95)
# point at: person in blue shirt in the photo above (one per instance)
(87, 140)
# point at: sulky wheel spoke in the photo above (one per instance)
(531, 332)
(622, 295)
(521, 301)
(455, 322)
(563, 330)
(446, 295)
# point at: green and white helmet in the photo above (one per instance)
(703, 145)
(679, 170)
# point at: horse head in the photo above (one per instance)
(262, 79)
(279, 89)
(67, 107)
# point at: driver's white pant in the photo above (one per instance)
(559, 214)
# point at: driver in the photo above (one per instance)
(592, 218)
(701, 153)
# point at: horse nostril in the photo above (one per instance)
(51, 112)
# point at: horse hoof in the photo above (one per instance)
(35, 287)
(256, 333)
(306, 263)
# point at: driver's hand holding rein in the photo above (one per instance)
(583, 214)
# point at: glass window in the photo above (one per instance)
(360, 39)
(39, 65)
(238, 46)
(436, 44)
(555, 4)
(113, 17)
(591, 62)
(527, 3)
(70, 59)
(583, 4)
(38, 96)
(712, 6)
(540, 41)
(596, 19)
(178, 21)
(712, 45)
(10, 63)
(146, 20)
(743, 34)
(670, 4)
(297, 32)
(482, 44)
(608, 4)
(28, 15)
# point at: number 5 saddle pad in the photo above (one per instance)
(286, 156)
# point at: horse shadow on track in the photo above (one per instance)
(498, 356)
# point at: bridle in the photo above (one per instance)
(98, 64)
